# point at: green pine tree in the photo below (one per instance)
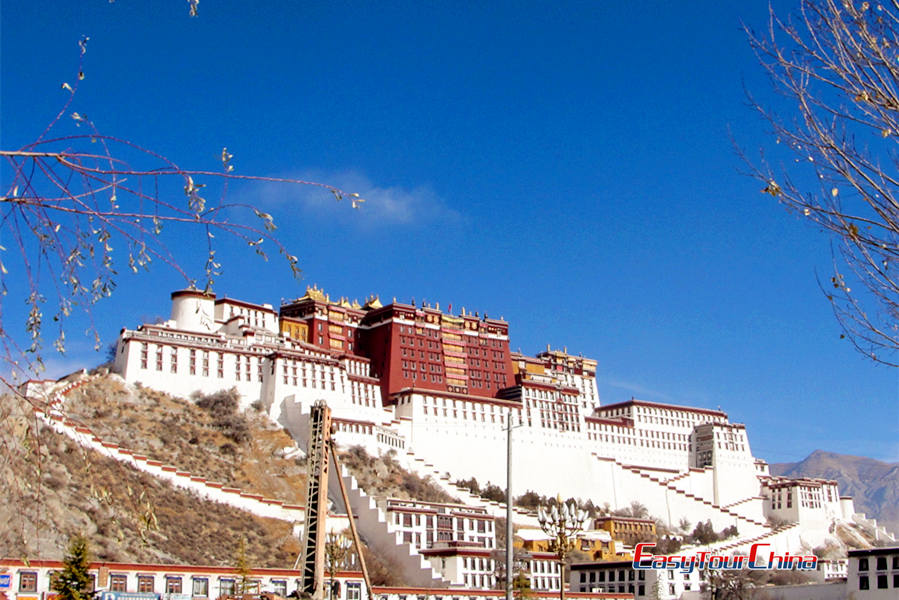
(521, 586)
(74, 582)
(242, 566)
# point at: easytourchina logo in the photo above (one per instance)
(758, 559)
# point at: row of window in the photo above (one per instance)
(881, 564)
(413, 375)
(362, 393)
(243, 369)
(666, 417)
(639, 590)
(257, 317)
(391, 439)
(145, 583)
(544, 566)
(623, 575)
(615, 439)
(289, 376)
(433, 367)
(864, 582)
(477, 564)
(479, 580)
(443, 522)
(410, 341)
(544, 583)
(174, 584)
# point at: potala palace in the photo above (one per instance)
(439, 388)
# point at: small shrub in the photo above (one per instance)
(638, 510)
(219, 404)
(728, 532)
(469, 484)
(493, 492)
(530, 500)
(222, 406)
(667, 545)
(704, 533)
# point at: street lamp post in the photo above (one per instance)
(509, 535)
(561, 522)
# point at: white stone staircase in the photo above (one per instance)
(780, 539)
(380, 535)
(427, 470)
(878, 531)
(669, 502)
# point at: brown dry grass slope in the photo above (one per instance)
(54, 488)
(180, 433)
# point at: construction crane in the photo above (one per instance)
(311, 560)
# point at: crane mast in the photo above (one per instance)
(311, 560)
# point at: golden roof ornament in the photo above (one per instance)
(313, 293)
(374, 302)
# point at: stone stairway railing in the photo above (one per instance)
(423, 468)
(688, 499)
(723, 509)
(880, 532)
(778, 540)
(743, 501)
(257, 504)
(680, 476)
(380, 536)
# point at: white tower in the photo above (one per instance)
(193, 310)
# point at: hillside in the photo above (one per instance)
(209, 437)
(873, 484)
(53, 489)
(243, 450)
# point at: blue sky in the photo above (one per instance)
(568, 167)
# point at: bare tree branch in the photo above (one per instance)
(837, 64)
(81, 207)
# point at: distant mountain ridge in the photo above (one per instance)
(872, 483)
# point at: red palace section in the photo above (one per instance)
(408, 345)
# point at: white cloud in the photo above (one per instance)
(384, 205)
(62, 366)
(55, 366)
(639, 391)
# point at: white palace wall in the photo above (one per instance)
(461, 435)
(680, 462)
(181, 363)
